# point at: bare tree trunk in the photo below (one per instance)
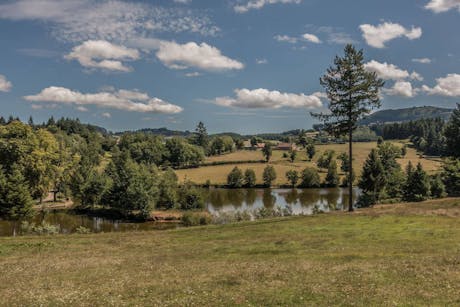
(350, 171)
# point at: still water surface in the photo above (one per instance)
(300, 201)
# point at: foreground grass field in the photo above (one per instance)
(391, 255)
(217, 174)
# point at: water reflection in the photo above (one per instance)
(301, 201)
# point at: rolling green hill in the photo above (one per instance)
(406, 114)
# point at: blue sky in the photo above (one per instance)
(237, 65)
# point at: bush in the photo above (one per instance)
(269, 175)
(82, 230)
(310, 178)
(42, 229)
(196, 219)
(365, 200)
(249, 178)
(235, 178)
(190, 198)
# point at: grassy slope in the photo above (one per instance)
(218, 174)
(373, 257)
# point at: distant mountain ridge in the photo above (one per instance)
(406, 114)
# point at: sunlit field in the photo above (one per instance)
(217, 174)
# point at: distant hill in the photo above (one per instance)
(406, 114)
(165, 132)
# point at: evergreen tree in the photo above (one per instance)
(451, 177)
(452, 133)
(15, 200)
(202, 138)
(292, 176)
(269, 175)
(372, 180)
(352, 92)
(437, 187)
(332, 178)
(249, 178)
(235, 178)
(310, 178)
(417, 187)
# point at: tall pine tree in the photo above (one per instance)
(352, 93)
(452, 133)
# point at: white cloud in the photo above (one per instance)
(286, 38)
(388, 71)
(192, 74)
(202, 56)
(416, 76)
(103, 55)
(258, 4)
(439, 6)
(81, 20)
(377, 36)
(106, 115)
(122, 100)
(448, 86)
(82, 109)
(312, 38)
(183, 1)
(422, 60)
(261, 61)
(401, 88)
(5, 85)
(263, 98)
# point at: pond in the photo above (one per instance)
(299, 201)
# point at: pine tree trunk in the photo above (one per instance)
(350, 170)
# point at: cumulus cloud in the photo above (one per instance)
(422, 60)
(81, 20)
(103, 55)
(106, 115)
(311, 38)
(377, 36)
(263, 98)
(401, 88)
(388, 71)
(5, 85)
(126, 100)
(440, 6)
(202, 56)
(258, 4)
(448, 86)
(286, 38)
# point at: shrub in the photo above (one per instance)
(196, 219)
(269, 175)
(82, 230)
(235, 178)
(310, 178)
(249, 178)
(292, 176)
(190, 198)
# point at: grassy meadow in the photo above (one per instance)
(217, 174)
(399, 255)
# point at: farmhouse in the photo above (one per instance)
(286, 146)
